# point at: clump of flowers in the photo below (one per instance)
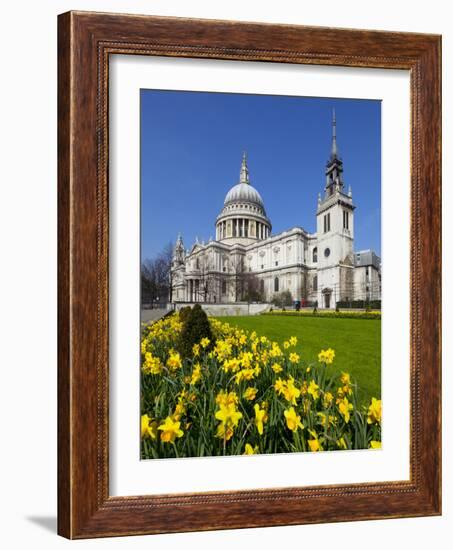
(326, 356)
(232, 392)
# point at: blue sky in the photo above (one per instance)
(191, 149)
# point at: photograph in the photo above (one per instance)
(260, 274)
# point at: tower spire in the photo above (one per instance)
(334, 151)
(334, 168)
(244, 175)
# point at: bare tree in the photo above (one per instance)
(238, 269)
(251, 288)
(204, 269)
(156, 276)
(209, 280)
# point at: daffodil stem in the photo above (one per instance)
(176, 450)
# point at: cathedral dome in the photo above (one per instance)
(244, 192)
(243, 218)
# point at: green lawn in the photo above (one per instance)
(357, 344)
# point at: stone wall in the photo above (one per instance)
(222, 310)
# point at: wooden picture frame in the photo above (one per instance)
(85, 42)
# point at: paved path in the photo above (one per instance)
(152, 314)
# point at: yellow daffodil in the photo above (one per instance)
(224, 432)
(313, 389)
(246, 359)
(327, 399)
(345, 408)
(232, 365)
(276, 368)
(228, 415)
(293, 419)
(346, 389)
(204, 342)
(196, 350)
(250, 394)
(174, 361)
(222, 349)
(290, 392)
(341, 443)
(152, 365)
(293, 358)
(375, 444)
(323, 418)
(244, 374)
(261, 418)
(279, 385)
(314, 445)
(249, 450)
(196, 374)
(180, 409)
(148, 427)
(226, 398)
(374, 411)
(229, 418)
(293, 341)
(170, 430)
(275, 350)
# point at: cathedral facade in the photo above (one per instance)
(319, 268)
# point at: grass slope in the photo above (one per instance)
(357, 344)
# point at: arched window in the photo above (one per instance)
(315, 255)
(262, 286)
(224, 287)
(276, 284)
(315, 282)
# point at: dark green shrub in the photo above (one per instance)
(195, 327)
(184, 313)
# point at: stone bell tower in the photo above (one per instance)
(335, 231)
